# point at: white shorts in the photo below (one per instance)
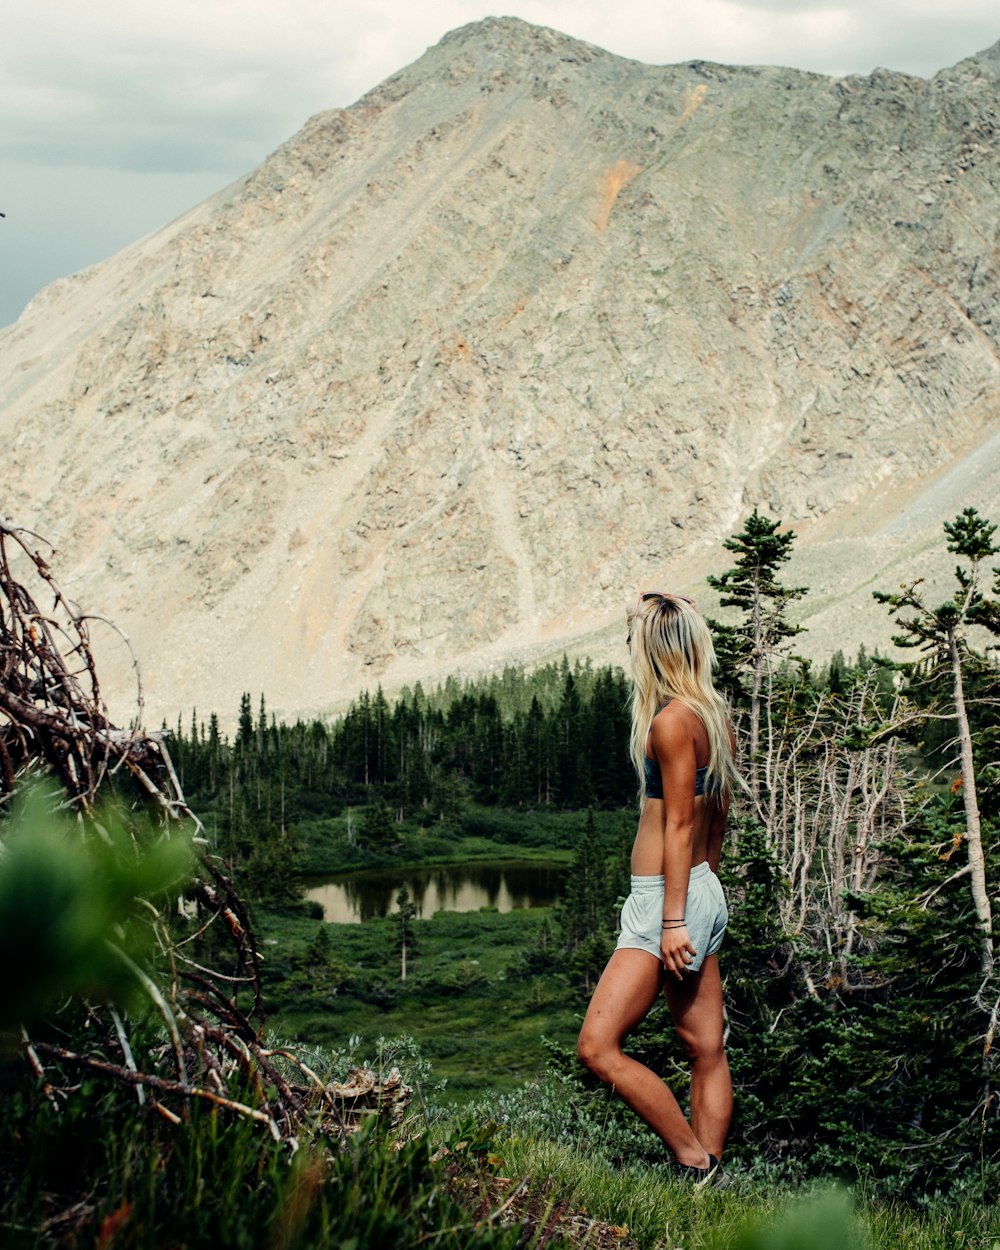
(705, 914)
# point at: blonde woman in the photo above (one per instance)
(673, 922)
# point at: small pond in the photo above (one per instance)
(350, 899)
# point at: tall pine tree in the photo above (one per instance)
(942, 633)
(749, 647)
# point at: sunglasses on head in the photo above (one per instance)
(659, 594)
(655, 594)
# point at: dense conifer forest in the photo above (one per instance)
(519, 740)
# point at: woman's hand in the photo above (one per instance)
(677, 951)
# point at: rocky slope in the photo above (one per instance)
(528, 327)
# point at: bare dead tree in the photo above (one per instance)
(828, 807)
(54, 719)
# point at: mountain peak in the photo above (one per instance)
(989, 59)
(530, 326)
(982, 64)
(514, 34)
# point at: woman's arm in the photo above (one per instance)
(672, 743)
(719, 819)
(716, 830)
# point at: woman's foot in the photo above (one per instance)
(700, 1178)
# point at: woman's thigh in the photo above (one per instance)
(696, 1006)
(626, 991)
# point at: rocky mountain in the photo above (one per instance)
(529, 327)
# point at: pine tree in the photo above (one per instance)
(447, 799)
(752, 586)
(382, 747)
(573, 783)
(942, 633)
(214, 751)
(378, 831)
(537, 753)
(244, 731)
(405, 934)
(607, 734)
(585, 914)
(488, 746)
(262, 726)
(515, 789)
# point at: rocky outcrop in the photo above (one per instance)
(459, 368)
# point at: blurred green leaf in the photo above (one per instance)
(826, 1222)
(68, 891)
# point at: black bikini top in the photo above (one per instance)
(654, 782)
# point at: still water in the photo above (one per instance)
(449, 887)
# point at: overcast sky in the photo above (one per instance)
(117, 115)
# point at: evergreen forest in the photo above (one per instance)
(859, 967)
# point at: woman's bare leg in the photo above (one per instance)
(696, 1006)
(626, 991)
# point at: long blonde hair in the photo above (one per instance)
(672, 657)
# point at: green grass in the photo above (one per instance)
(101, 1172)
(121, 1177)
(477, 1016)
(752, 1214)
(480, 833)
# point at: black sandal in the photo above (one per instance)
(703, 1178)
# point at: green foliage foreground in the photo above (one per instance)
(100, 1172)
(860, 982)
(96, 1172)
(68, 891)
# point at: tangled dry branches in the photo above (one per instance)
(50, 698)
(209, 1016)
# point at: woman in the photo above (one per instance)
(674, 919)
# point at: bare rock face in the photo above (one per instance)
(527, 328)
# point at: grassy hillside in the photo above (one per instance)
(473, 1002)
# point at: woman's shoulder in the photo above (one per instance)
(675, 720)
(675, 711)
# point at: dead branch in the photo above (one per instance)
(53, 718)
(834, 795)
(129, 1077)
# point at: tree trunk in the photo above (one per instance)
(977, 861)
(758, 674)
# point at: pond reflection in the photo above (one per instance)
(449, 887)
